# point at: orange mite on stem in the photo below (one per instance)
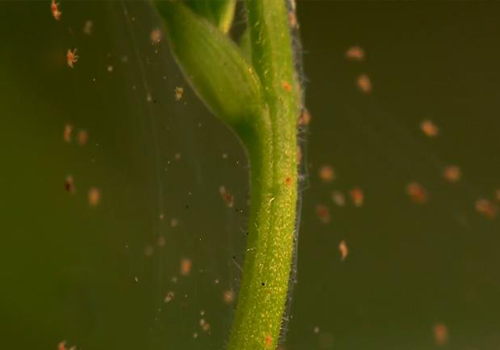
(287, 86)
(268, 341)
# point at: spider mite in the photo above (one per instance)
(155, 36)
(94, 196)
(440, 334)
(68, 129)
(174, 222)
(416, 192)
(69, 184)
(357, 197)
(179, 92)
(338, 198)
(486, 208)
(326, 173)
(323, 213)
(87, 28)
(83, 136)
(364, 83)
(61, 345)
(226, 196)
(355, 53)
(168, 298)
(185, 268)
(228, 296)
(287, 85)
(429, 128)
(452, 173)
(71, 58)
(344, 251)
(205, 326)
(268, 341)
(54, 6)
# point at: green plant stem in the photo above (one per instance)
(259, 97)
(273, 160)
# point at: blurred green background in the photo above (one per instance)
(417, 276)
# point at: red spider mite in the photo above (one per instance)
(71, 58)
(429, 128)
(357, 196)
(416, 192)
(355, 53)
(323, 213)
(364, 83)
(54, 6)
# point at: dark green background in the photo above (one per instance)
(67, 271)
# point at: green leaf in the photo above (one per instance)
(219, 12)
(255, 90)
(214, 65)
